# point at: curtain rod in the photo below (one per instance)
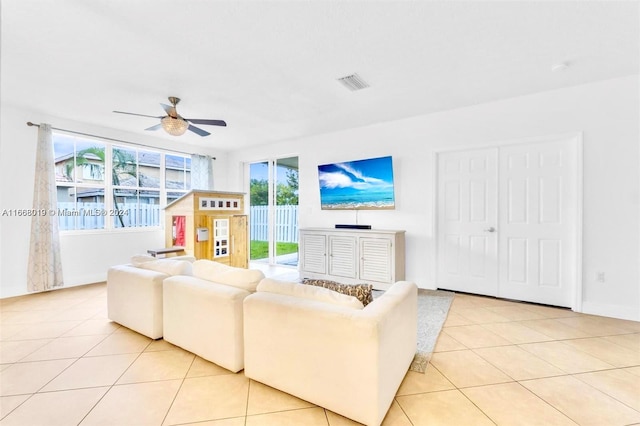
(30, 124)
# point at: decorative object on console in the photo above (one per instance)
(357, 185)
(360, 291)
(341, 226)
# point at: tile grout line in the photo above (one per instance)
(395, 399)
(53, 378)
(246, 408)
(114, 383)
(39, 391)
(173, 400)
(460, 389)
(601, 391)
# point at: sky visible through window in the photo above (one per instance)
(260, 171)
(62, 144)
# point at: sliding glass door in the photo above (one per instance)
(273, 211)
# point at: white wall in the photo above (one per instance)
(85, 256)
(606, 112)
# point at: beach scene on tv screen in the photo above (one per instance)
(360, 184)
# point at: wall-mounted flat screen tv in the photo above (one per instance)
(357, 185)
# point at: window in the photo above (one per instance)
(177, 170)
(273, 189)
(106, 186)
(79, 168)
(136, 187)
(221, 238)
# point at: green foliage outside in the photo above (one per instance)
(259, 192)
(260, 249)
(123, 163)
(286, 193)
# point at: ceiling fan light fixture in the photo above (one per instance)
(174, 126)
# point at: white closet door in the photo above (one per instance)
(467, 221)
(537, 230)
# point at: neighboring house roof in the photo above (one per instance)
(145, 158)
(69, 156)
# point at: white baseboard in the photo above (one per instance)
(78, 281)
(86, 279)
(612, 311)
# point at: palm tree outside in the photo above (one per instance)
(124, 164)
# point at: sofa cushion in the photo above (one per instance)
(168, 266)
(186, 257)
(246, 279)
(139, 259)
(361, 291)
(308, 292)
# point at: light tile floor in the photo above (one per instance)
(62, 362)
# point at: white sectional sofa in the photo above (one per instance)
(203, 313)
(327, 349)
(134, 291)
(311, 342)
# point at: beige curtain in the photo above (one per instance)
(201, 172)
(45, 269)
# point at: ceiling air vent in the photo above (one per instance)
(353, 82)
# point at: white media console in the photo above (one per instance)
(352, 256)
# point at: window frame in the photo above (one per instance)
(109, 188)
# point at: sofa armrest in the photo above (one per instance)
(134, 299)
(348, 360)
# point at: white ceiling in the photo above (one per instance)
(269, 68)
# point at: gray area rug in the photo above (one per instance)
(433, 308)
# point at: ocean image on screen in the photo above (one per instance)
(361, 184)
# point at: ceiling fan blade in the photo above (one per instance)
(156, 127)
(140, 115)
(199, 131)
(170, 110)
(209, 122)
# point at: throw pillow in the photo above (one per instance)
(319, 294)
(361, 291)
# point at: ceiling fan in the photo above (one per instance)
(176, 125)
